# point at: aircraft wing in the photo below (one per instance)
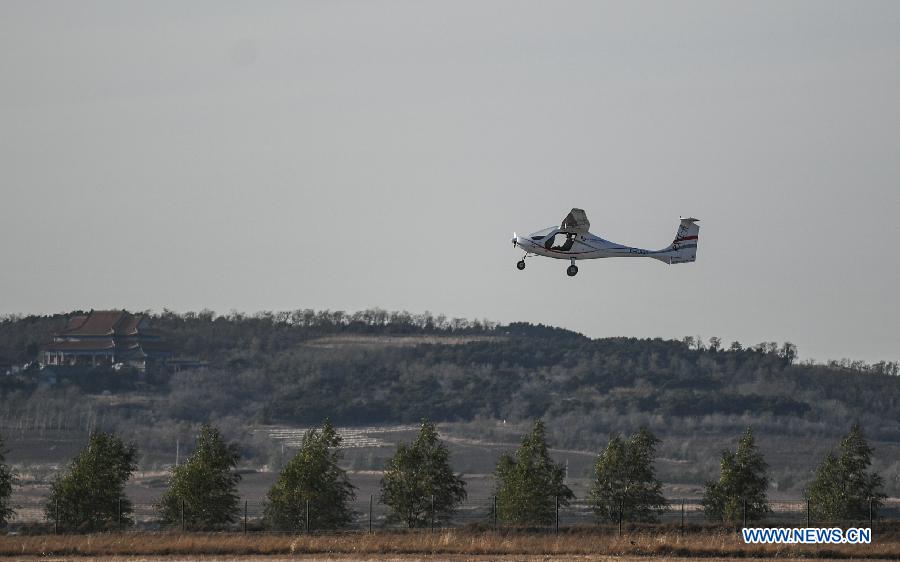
(576, 221)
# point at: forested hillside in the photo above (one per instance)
(374, 367)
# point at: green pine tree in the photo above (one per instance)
(418, 482)
(312, 477)
(7, 479)
(90, 495)
(204, 488)
(741, 490)
(843, 488)
(625, 483)
(529, 483)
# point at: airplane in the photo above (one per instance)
(572, 241)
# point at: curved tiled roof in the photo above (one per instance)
(111, 331)
(128, 326)
(103, 323)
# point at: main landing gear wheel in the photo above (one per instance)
(520, 265)
(571, 270)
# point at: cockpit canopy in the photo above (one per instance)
(553, 238)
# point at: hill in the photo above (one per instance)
(375, 367)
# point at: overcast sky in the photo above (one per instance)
(345, 155)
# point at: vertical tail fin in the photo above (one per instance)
(684, 248)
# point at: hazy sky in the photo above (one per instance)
(345, 155)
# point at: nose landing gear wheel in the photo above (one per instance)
(571, 270)
(520, 265)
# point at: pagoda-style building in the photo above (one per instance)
(106, 338)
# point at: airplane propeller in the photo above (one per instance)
(515, 240)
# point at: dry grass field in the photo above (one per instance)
(443, 545)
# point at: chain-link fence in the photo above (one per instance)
(369, 514)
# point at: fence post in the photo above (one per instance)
(744, 516)
(56, 521)
(870, 512)
(496, 515)
(557, 515)
(682, 516)
(371, 501)
(307, 516)
(119, 514)
(621, 509)
(432, 513)
(182, 515)
(245, 516)
(808, 513)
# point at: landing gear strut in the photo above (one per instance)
(520, 265)
(572, 269)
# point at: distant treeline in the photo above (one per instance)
(205, 333)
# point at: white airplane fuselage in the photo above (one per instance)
(572, 241)
(585, 247)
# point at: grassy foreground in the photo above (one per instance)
(450, 543)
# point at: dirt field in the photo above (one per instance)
(371, 558)
(378, 558)
(442, 545)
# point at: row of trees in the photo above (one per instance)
(842, 488)
(625, 485)
(420, 487)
